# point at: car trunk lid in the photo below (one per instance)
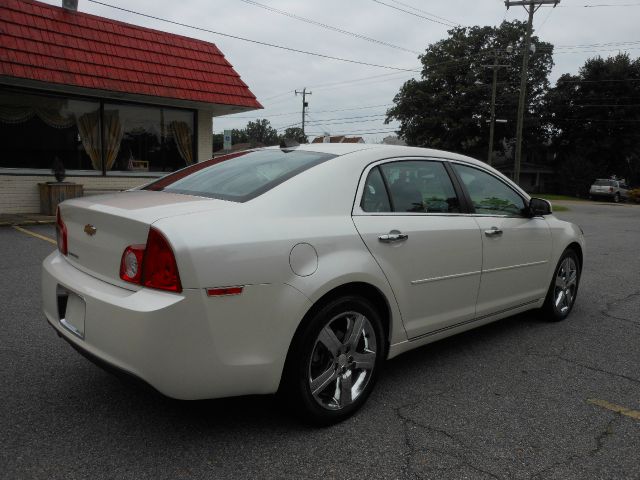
(99, 228)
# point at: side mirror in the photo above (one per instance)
(539, 207)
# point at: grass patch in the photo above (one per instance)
(560, 208)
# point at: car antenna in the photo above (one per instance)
(288, 143)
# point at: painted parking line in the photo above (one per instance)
(615, 408)
(36, 235)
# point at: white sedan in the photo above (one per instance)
(300, 270)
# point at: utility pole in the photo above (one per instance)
(305, 104)
(533, 6)
(494, 89)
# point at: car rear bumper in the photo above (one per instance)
(187, 345)
(607, 195)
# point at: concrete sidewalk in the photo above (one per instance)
(9, 219)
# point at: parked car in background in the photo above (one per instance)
(300, 270)
(606, 188)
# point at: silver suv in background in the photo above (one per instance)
(616, 190)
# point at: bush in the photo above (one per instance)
(634, 195)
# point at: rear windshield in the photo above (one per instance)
(605, 183)
(239, 177)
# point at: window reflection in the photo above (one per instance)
(37, 129)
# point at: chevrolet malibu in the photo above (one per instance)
(299, 270)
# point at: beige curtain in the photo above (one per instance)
(54, 119)
(113, 132)
(89, 130)
(181, 133)
(22, 109)
(14, 114)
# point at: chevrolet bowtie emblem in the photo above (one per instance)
(90, 229)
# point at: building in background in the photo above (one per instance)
(337, 139)
(118, 104)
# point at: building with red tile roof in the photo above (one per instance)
(105, 98)
(337, 139)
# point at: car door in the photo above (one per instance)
(516, 248)
(411, 219)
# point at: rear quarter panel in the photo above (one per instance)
(251, 245)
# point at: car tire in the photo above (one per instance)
(616, 198)
(563, 290)
(334, 360)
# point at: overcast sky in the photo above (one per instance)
(274, 74)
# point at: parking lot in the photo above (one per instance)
(520, 398)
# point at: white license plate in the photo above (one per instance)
(73, 319)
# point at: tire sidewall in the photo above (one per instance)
(549, 306)
(300, 357)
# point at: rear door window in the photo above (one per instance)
(420, 186)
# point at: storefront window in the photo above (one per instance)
(150, 139)
(35, 130)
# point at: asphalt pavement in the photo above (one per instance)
(517, 399)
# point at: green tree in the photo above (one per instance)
(594, 118)
(239, 135)
(261, 132)
(295, 133)
(449, 107)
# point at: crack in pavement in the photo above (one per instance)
(608, 431)
(609, 305)
(412, 450)
(588, 367)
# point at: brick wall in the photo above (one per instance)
(19, 193)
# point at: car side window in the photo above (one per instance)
(489, 195)
(420, 186)
(374, 197)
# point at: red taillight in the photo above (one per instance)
(61, 233)
(152, 265)
(611, 189)
(159, 269)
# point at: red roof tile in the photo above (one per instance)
(47, 43)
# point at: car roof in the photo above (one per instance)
(384, 151)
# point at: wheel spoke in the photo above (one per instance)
(345, 390)
(560, 298)
(329, 340)
(559, 281)
(364, 361)
(322, 381)
(355, 331)
(569, 298)
(572, 278)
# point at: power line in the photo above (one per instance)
(258, 42)
(425, 12)
(318, 111)
(602, 5)
(415, 14)
(600, 81)
(356, 132)
(328, 27)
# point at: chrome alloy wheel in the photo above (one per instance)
(342, 361)
(566, 285)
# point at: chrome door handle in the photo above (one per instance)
(494, 232)
(393, 236)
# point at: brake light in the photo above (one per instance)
(611, 189)
(61, 233)
(159, 269)
(152, 265)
